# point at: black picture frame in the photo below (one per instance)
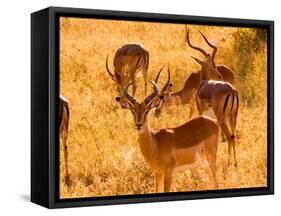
(45, 96)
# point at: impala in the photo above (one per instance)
(224, 100)
(129, 61)
(225, 73)
(184, 96)
(64, 127)
(187, 94)
(170, 149)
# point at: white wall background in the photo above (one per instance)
(15, 106)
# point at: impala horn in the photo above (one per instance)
(108, 71)
(127, 96)
(157, 77)
(149, 98)
(192, 46)
(211, 45)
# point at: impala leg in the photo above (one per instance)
(223, 137)
(168, 180)
(226, 131)
(211, 157)
(134, 85)
(65, 153)
(212, 170)
(233, 141)
(229, 153)
(134, 89)
(64, 136)
(234, 151)
(213, 167)
(233, 119)
(159, 178)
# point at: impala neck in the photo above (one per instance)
(184, 96)
(175, 98)
(147, 142)
(204, 76)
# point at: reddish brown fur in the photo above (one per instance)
(128, 61)
(64, 117)
(171, 148)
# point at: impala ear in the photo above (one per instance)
(123, 103)
(156, 102)
(197, 60)
(170, 88)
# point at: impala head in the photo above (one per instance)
(118, 77)
(140, 110)
(208, 65)
(207, 70)
(165, 91)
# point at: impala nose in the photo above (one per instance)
(139, 125)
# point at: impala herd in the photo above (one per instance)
(170, 149)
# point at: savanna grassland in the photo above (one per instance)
(104, 154)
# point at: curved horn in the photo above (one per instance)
(211, 45)
(192, 46)
(108, 71)
(126, 94)
(168, 81)
(157, 77)
(154, 94)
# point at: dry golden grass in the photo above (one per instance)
(104, 154)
